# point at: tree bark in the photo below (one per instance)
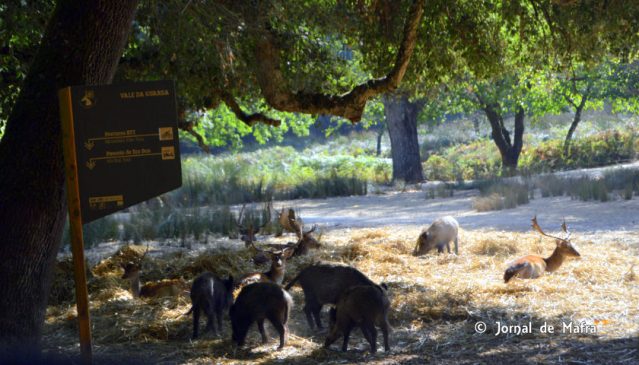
(350, 105)
(82, 45)
(573, 126)
(380, 134)
(401, 118)
(509, 150)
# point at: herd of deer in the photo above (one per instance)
(355, 300)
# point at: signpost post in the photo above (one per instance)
(121, 147)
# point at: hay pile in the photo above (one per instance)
(436, 301)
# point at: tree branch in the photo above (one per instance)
(249, 119)
(188, 127)
(351, 105)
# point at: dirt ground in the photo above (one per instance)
(438, 301)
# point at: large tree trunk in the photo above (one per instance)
(380, 134)
(573, 126)
(509, 150)
(401, 118)
(82, 45)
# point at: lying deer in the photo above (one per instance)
(246, 227)
(164, 288)
(533, 266)
(305, 242)
(276, 272)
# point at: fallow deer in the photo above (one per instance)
(247, 228)
(305, 242)
(163, 288)
(289, 221)
(533, 266)
(275, 273)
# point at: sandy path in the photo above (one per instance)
(411, 208)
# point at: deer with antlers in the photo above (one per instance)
(305, 240)
(533, 266)
(163, 288)
(246, 225)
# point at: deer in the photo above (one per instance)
(305, 240)
(289, 221)
(246, 228)
(533, 266)
(163, 288)
(278, 268)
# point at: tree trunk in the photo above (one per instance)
(573, 125)
(401, 118)
(82, 45)
(509, 150)
(380, 134)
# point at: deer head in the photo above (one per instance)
(564, 245)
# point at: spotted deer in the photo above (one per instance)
(533, 266)
(163, 288)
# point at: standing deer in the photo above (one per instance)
(275, 273)
(163, 288)
(533, 266)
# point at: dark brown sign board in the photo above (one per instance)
(126, 141)
(120, 145)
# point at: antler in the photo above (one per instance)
(311, 230)
(270, 252)
(536, 227)
(565, 229)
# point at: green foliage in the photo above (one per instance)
(480, 159)
(21, 27)
(280, 173)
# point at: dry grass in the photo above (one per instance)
(436, 301)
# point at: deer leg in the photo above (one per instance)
(260, 327)
(448, 246)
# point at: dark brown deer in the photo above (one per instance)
(275, 273)
(163, 288)
(533, 266)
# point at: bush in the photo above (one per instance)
(480, 159)
(497, 195)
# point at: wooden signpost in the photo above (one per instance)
(120, 147)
